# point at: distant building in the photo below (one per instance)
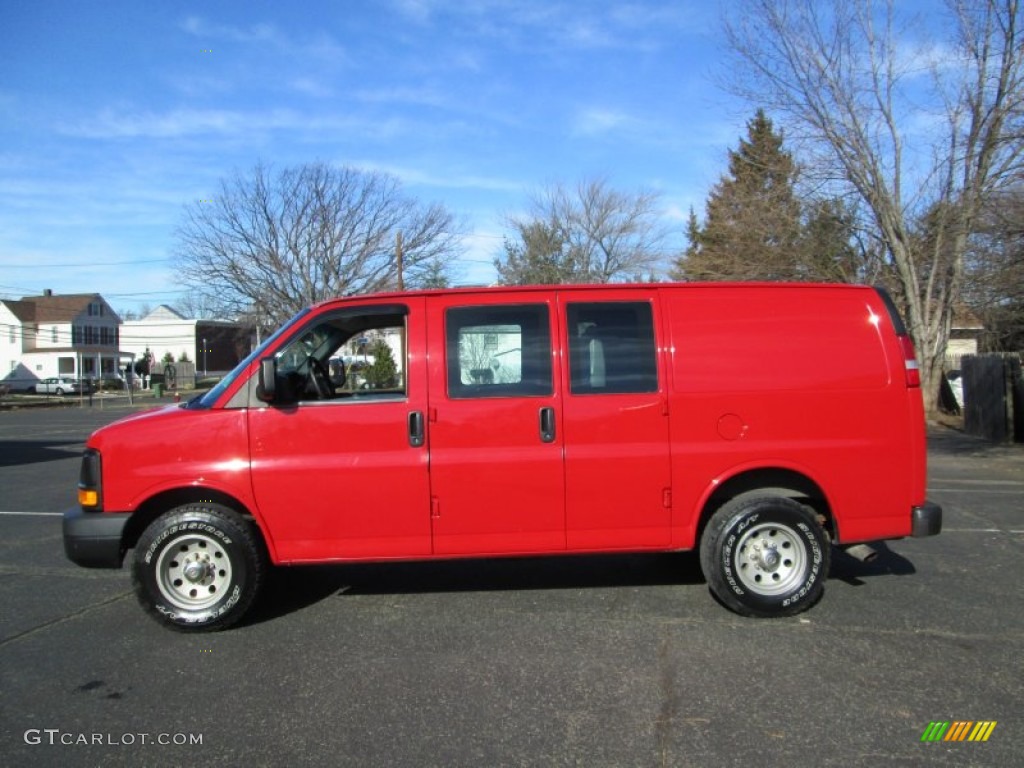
(213, 346)
(963, 336)
(74, 335)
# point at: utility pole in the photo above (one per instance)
(398, 260)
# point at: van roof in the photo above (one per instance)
(604, 287)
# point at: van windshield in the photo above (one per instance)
(211, 397)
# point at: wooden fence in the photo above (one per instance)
(993, 397)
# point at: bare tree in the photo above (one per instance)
(844, 80)
(269, 244)
(200, 306)
(589, 234)
(994, 287)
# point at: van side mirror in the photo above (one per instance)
(266, 388)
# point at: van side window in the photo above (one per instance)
(349, 355)
(611, 348)
(498, 351)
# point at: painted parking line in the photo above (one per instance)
(986, 492)
(982, 530)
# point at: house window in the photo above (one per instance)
(65, 365)
(12, 334)
(76, 335)
(53, 336)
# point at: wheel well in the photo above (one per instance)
(152, 508)
(771, 482)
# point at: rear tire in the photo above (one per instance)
(765, 556)
(198, 567)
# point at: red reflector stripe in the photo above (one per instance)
(913, 374)
(910, 362)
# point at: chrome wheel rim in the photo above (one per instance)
(193, 572)
(770, 559)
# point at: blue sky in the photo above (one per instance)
(114, 115)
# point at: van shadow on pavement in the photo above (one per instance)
(291, 589)
(16, 452)
(946, 441)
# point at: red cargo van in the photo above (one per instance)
(758, 423)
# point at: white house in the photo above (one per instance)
(73, 335)
(211, 345)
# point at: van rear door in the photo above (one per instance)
(617, 462)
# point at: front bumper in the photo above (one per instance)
(94, 539)
(926, 520)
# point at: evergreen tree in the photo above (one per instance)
(828, 251)
(756, 227)
(539, 257)
(752, 223)
(383, 374)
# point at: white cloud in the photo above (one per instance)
(423, 178)
(258, 33)
(117, 123)
(311, 87)
(320, 46)
(426, 96)
(595, 121)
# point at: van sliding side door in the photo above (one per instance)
(496, 471)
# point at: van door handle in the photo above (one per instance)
(547, 425)
(416, 430)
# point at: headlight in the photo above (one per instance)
(90, 481)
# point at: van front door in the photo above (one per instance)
(497, 481)
(341, 470)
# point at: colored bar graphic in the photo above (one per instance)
(935, 731)
(958, 730)
(982, 731)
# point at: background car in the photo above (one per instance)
(59, 385)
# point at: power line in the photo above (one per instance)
(133, 262)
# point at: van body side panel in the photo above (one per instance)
(497, 484)
(793, 376)
(617, 468)
(338, 479)
(169, 448)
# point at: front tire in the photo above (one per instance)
(765, 556)
(198, 567)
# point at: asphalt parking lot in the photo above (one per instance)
(600, 661)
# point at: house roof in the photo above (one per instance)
(164, 312)
(25, 311)
(61, 308)
(965, 320)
